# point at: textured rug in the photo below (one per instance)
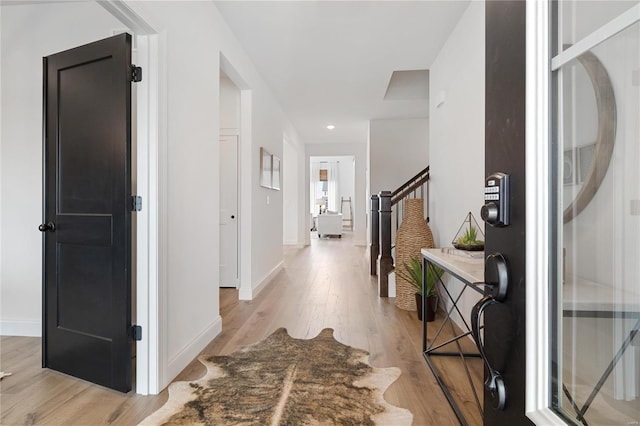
(285, 381)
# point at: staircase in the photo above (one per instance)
(386, 216)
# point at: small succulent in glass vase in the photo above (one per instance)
(469, 236)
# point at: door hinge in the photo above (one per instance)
(136, 203)
(136, 332)
(136, 73)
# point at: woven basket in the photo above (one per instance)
(413, 235)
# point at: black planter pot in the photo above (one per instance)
(432, 307)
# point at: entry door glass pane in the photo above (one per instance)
(597, 289)
(580, 18)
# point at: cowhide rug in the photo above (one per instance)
(285, 381)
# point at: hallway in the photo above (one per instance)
(324, 285)
(327, 285)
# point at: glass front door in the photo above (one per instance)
(595, 235)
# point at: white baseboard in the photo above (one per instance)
(21, 328)
(250, 293)
(294, 244)
(360, 243)
(192, 350)
(392, 284)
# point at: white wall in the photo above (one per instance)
(292, 184)
(347, 174)
(359, 152)
(189, 189)
(197, 36)
(456, 129)
(28, 33)
(398, 149)
(229, 104)
(294, 189)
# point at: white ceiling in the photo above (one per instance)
(331, 61)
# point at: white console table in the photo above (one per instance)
(469, 271)
(580, 299)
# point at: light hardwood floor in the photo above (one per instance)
(324, 285)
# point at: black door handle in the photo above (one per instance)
(494, 383)
(496, 275)
(233, 217)
(47, 227)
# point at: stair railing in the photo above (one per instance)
(384, 207)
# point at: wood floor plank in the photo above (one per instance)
(326, 285)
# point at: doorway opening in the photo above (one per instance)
(229, 187)
(235, 187)
(331, 195)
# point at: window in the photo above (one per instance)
(595, 216)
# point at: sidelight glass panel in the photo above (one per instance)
(596, 310)
(580, 18)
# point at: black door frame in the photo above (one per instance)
(505, 129)
(534, 400)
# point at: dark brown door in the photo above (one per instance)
(504, 330)
(87, 218)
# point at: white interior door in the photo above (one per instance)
(229, 211)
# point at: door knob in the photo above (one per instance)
(233, 217)
(47, 227)
(490, 212)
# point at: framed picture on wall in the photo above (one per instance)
(275, 172)
(265, 168)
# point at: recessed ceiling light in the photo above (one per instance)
(331, 127)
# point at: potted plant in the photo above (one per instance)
(412, 273)
(469, 241)
(468, 237)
